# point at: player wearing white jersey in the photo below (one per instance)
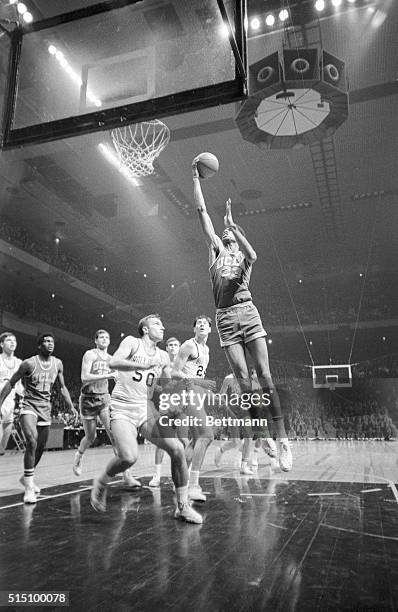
(141, 364)
(9, 364)
(191, 364)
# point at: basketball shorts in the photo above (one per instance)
(91, 405)
(239, 324)
(41, 412)
(132, 413)
(142, 415)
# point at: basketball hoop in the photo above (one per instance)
(138, 145)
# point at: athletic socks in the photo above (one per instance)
(194, 478)
(28, 476)
(182, 495)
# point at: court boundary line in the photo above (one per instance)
(42, 498)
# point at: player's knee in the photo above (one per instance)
(128, 456)
(176, 452)
(91, 438)
(31, 442)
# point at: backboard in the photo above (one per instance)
(331, 376)
(121, 62)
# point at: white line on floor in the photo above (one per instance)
(46, 497)
(319, 494)
(394, 490)
(257, 494)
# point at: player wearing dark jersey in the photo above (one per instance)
(38, 375)
(237, 319)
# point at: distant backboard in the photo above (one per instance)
(331, 376)
(120, 62)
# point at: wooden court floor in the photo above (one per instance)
(322, 537)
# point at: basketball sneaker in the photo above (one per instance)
(77, 464)
(218, 457)
(285, 457)
(270, 448)
(185, 512)
(155, 482)
(35, 487)
(98, 496)
(196, 494)
(245, 470)
(29, 497)
(129, 480)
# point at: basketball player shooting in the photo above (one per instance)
(238, 322)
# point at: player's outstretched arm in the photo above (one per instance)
(64, 391)
(23, 369)
(212, 240)
(243, 242)
(182, 357)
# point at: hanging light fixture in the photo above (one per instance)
(296, 97)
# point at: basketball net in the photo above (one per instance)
(138, 145)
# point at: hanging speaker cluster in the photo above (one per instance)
(295, 98)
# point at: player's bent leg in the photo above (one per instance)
(259, 353)
(236, 356)
(164, 438)
(5, 433)
(125, 444)
(29, 429)
(231, 444)
(42, 437)
(202, 437)
(159, 454)
(90, 433)
(246, 453)
(105, 419)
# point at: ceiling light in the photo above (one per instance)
(52, 50)
(27, 17)
(21, 8)
(320, 5)
(270, 20)
(59, 55)
(255, 23)
(224, 31)
(283, 15)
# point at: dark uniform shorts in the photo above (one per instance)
(239, 324)
(91, 405)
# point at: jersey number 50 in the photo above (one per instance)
(137, 376)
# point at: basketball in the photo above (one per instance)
(207, 165)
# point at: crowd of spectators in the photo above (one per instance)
(334, 301)
(40, 309)
(360, 413)
(327, 300)
(89, 273)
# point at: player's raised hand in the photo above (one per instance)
(195, 172)
(228, 221)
